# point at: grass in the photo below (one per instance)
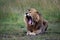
(12, 25)
(16, 33)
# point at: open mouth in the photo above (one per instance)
(30, 21)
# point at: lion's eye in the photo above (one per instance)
(29, 12)
(28, 9)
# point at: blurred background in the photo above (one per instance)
(12, 18)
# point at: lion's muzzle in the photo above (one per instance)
(29, 18)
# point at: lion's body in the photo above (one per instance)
(35, 22)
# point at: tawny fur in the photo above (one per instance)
(38, 27)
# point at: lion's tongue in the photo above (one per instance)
(30, 21)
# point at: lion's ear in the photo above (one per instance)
(37, 18)
(38, 13)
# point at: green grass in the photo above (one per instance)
(12, 25)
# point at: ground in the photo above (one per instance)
(52, 33)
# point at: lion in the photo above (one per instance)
(35, 23)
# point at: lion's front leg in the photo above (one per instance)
(31, 33)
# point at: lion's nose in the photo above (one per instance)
(26, 13)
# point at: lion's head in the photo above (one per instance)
(32, 16)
